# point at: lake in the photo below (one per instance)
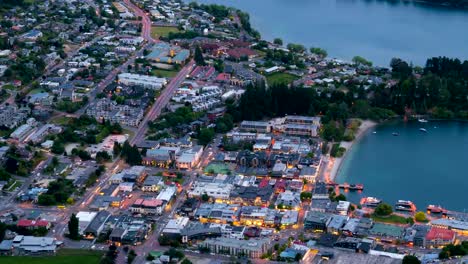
(376, 30)
(426, 168)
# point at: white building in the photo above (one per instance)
(142, 80)
(189, 158)
(289, 200)
(30, 245)
(167, 194)
(84, 219)
(343, 207)
(212, 189)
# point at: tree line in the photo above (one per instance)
(439, 89)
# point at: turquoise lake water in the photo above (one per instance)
(376, 30)
(426, 168)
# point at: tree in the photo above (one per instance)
(383, 209)
(205, 197)
(205, 136)
(116, 149)
(278, 41)
(306, 196)
(73, 227)
(319, 51)
(358, 60)
(131, 256)
(198, 56)
(420, 217)
(411, 259)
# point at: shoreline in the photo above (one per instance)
(365, 126)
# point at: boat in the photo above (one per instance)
(375, 132)
(370, 202)
(423, 130)
(422, 120)
(436, 209)
(403, 205)
(395, 134)
(351, 187)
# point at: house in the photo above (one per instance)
(33, 224)
(241, 53)
(32, 35)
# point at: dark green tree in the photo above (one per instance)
(73, 227)
(198, 56)
(383, 209)
(410, 259)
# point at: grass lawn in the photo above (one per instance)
(280, 77)
(217, 168)
(14, 185)
(157, 32)
(394, 219)
(36, 91)
(60, 120)
(64, 256)
(9, 87)
(164, 73)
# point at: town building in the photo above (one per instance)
(152, 184)
(105, 109)
(147, 206)
(216, 190)
(145, 81)
(189, 158)
(460, 227)
(29, 245)
(257, 126)
(288, 200)
(97, 225)
(439, 237)
(253, 248)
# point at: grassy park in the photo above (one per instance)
(64, 256)
(157, 32)
(280, 77)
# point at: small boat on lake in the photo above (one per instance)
(423, 130)
(422, 120)
(395, 134)
(370, 202)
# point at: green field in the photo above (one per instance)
(217, 168)
(392, 219)
(157, 32)
(64, 256)
(36, 91)
(60, 120)
(280, 77)
(164, 73)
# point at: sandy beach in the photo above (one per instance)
(336, 162)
